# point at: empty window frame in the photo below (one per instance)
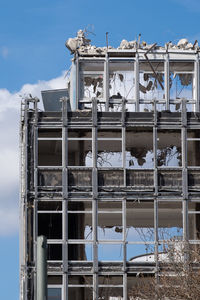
(171, 251)
(110, 220)
(80, 287)
(140, 221)
(193, 148)
(140, 253)
(54, 252)
(78, 205)
(169, 148)
(80, 251)
(49, 220)
(80, 280)
(80, 220)
(135, 283)
(80, 147)
(79, 225)
(54, 292)
(110, 252)
(49, 205)
(80, 293)
(181, 81)
(109, 148)
(110, 287)
(54, 280)
(50, 152)
(121, 80)
(49, 147)
(108, 293)
(170, 223)
(194, 220)
(91, 80)
(51, 177)
(151, 85)
(50, 225)
(139, 149)
(109, 280)
(48, 133)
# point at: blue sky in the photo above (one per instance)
(33, 57)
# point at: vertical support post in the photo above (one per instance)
(64, 101)
(73, 86)
(106, 82)
(41, 268)
(95, 286)
(94, 149)
(196, 84)
(24, 200)
(95, 199)
(184, 150)
(77, 85)
(35, 214)
(155, 151)
(124, 139)
(124, 249)
(137, 81)
(125, 287)
(167, 92)
(156, 237)
(95, 250)
(155, 138)
(124, 200)
(184, 171)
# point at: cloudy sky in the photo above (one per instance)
(33, 58)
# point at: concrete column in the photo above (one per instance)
(41, 268)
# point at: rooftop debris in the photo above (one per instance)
(83, 45)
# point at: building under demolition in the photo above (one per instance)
(110, 169)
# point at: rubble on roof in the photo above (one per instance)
(79, 41)
(83, 45)
(184, 45)
(128, 45)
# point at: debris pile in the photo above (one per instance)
(83, 45)
(128, 45)
(183, 44)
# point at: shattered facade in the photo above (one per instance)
(111, 174)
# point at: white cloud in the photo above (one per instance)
(8, 221)
(9, 149)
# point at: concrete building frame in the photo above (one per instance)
(68, 196)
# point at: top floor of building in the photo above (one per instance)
(136, 73)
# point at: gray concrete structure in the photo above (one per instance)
(113, 178)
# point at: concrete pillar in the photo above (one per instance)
(41, 268)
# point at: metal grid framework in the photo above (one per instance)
(64, 272)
